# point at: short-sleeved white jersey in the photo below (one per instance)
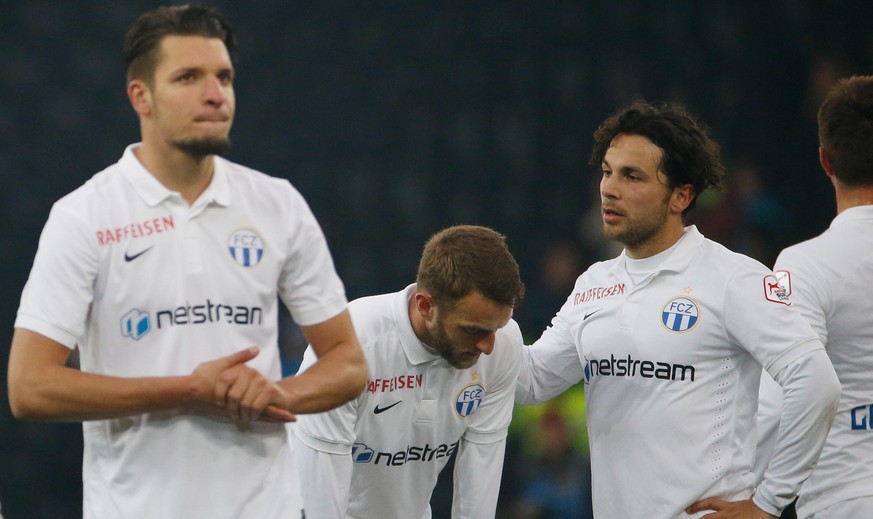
(414, 413)
(671, 367)
(829, 280)
(147, 286)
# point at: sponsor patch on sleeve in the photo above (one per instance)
(777, 287)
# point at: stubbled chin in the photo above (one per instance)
(610, 228)
(466, 363)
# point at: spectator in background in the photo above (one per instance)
(747, 217)
(556, 473)
(166, 270)
(829, 279)
(560, 264)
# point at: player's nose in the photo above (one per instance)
(486, 344)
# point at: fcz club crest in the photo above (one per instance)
(468, 399)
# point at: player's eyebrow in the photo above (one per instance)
(624, 169)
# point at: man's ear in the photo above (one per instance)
(140, 97)
(424, 304)
(825, 163)
(681, 198)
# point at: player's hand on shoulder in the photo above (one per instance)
(746, 509)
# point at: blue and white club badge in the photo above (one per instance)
(680, 314)
(246, 247)
(469, 399)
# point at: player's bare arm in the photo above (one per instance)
(43, 387)
(339, 375)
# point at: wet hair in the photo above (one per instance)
(845, 130)
(143, 39)
(462, 259)
(690, 156)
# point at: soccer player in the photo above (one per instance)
(829, 279)
(431, 393)
(670, 337)
(164, 270)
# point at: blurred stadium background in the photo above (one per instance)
(395, 119)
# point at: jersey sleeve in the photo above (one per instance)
(58, 294)
(491, 420)
(478, 470)
(551, 365)
(811, 391)
(799, 279)
(759, 318)
(768, 417)
(309, 285)
(796, 277)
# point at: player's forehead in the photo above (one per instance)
(476, 311)
(627, 151)
(192, 52)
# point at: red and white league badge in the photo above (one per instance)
(777, 287)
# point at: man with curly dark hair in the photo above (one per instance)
(670, 338)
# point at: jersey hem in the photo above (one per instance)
(325, 313)
(791, 355)
(34, 324)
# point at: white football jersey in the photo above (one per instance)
(147, 286)
(829, 279)
(671, 366)
(416, 412)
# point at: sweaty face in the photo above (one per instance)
(192, 95)
(635, 199)
(462, 333)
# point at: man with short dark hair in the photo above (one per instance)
(164, 270)
(829, 279)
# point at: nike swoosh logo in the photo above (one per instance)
(589, 314)
(138, 254)
(378, 409)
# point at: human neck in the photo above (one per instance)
(852, 196)
(657, 244)
(177, 170)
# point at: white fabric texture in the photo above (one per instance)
(147, 286)
(829, 279)
(671, 367)
(416, 412)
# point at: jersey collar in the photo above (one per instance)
(853, 214)
(411, 344)
(218, 190)
(680, 254)
(153, 192)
